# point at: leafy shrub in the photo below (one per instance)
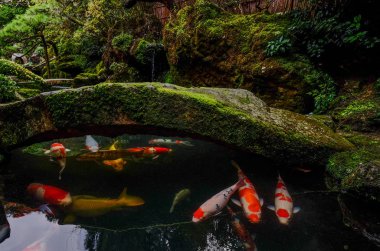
(8, 89)
(326, 29)
(145, 51)
(278, 46)
(10, 68)
(122, 42)
(323, 90)
(123, 72)
(86, 79)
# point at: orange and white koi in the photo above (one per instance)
(242, 232)
(117, 164)
(216, 203)
(249, 199)
(91, 144)
(283, 203)
(169, 142)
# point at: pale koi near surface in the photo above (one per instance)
(216, 203)
(283, 203)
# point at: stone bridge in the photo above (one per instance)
(227, 116)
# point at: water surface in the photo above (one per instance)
(205, 169)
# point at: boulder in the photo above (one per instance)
(233, 117)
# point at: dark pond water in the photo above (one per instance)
(204, 169)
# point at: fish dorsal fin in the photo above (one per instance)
(123, 193)
(261, 201)
(296, 210)
(271, 207)
(236, 202)
(113, 146)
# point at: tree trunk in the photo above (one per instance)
(46, 54)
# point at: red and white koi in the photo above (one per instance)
(216, 203)
(154, 151)
(57, 150)
(249, 199)
(49, 194)
(283, 203)
(91, 144)
(169, 142)
(242, 232)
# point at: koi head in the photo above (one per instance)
(198, 215)
(283, 216)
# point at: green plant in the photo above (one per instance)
(323, 90)
(278, 46)
(8, 89)
(122, 42)
(12, 69)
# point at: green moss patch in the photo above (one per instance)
(12, 69)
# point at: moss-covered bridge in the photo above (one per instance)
(233, 117)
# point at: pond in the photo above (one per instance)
(202, 167)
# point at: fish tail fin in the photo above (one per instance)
(233, 162)
(236, 165)
(171, 209)
(240, 183)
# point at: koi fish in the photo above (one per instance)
(117, 164)
(57, 150)
(249, 199)
(153, 151)
(216, 203)
(242, 231)
(90, 206)
(283, 203)
(110, 154)
(180, 196)
(169, 142)
(49, 194)
(91, 144)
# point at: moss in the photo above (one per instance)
(84, 79)
(210, 47)
(12, 69)
(359, 107)
(357, 170)
(123, 42)
(28, 93)
(199, 113)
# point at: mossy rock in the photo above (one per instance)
(229, 116)
(360, 115)
(84, 79)
(357, 170)
(28, 93)
(210, 47)
(10, 68)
